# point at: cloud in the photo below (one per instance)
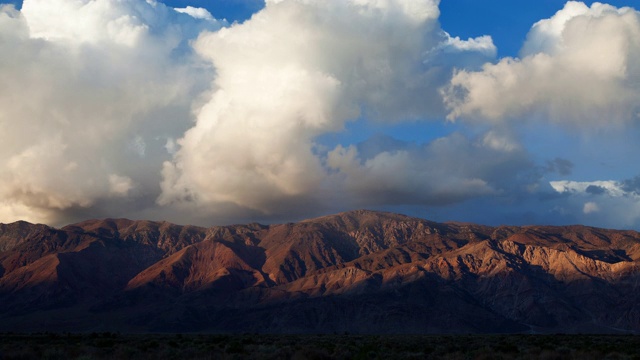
(198, 13)
(610, 187)
(631, 186)
(445, 171)
(595, 190)
(86, 85)
(616, 202)
(127, 23)
(135, 109)
(559, 165)
(106, 93)
(301, 69)
(579, 68)
(590, 207)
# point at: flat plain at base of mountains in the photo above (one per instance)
(252, 346)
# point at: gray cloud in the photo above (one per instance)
(445, 171)
(595, 190)
(561, 166)
(631, 185)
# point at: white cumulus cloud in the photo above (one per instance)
(79, 79)
(578, 67)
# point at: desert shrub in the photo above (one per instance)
(506, 348)
(311, 354)
(54, 354)
(102, 346)
(126, 352)
(105, 343)
(234, 347)
(85, 357)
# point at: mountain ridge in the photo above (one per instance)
(357, 271)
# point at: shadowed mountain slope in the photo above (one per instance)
(360, 271)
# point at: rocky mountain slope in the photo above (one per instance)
(360, 271)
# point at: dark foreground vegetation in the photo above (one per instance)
(179, 346)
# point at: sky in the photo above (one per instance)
(233, 111)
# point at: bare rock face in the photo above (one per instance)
(360, 271)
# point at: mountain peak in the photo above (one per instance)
(358, 217)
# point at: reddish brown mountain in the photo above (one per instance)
(359, 271)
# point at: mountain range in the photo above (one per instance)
(357, 272)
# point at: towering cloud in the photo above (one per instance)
(299, 69)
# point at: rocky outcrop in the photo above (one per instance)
(359, 271)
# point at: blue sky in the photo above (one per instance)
(232, 10)
(497, 112)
